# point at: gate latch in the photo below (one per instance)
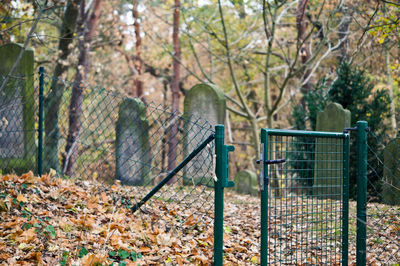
(264, 181)
(347, 129)
(268, 162)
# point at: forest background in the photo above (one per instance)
(278, 62)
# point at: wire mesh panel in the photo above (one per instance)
(383, 200)
(306, 198)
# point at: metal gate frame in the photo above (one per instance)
(265, 133)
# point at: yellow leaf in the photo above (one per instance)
(95, 175)
(254, 259)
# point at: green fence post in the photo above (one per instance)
(221, 171)
(264, 201)
(361, 193)
(40, 122)
(346, 177)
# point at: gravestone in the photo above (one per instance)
(17, 124)
(133, 161)
(207, 102)
(328, 166)
(391, 173)
(246, 182)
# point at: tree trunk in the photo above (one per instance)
(304, 51)
(344, 35)
(53, 100)
(75, 109)
(173, 140)
(138, 58)
(391, 93)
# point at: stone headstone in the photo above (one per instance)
(391, 173)
(17, 124)
(328, 166)
(133, 161)
(246, 182)
(207, 102)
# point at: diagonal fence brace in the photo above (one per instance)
(173, 173)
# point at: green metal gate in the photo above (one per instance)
(304, 197)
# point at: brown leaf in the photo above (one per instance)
(93, 259)
(116, 226)
(27, 236)
(179, 260)
(190, 220)
(144, 249)
(164, 239)
(27, 178)
(46, 179)
(201, 258)
(4, 256)
(104, 197)
(35, 256)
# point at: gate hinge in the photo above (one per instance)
(226, 182)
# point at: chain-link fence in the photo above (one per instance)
(18, 124)
(107, 136)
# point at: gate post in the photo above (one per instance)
(361, 193)
(346, 177)
(221, 171)
(40, 123)
(264, 200)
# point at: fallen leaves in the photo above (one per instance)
(48, 221)
(51, 221)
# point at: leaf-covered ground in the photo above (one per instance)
(49, 221)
